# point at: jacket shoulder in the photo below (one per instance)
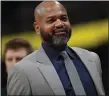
(90, 55)
(27, 63)
(84, 51)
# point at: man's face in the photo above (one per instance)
(12, 56)
(55, 27)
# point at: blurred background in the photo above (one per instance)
(89, 22)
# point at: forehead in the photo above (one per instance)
(55, 10)
(18, 52)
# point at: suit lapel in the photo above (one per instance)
(48, 71)
(92, 68)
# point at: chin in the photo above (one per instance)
(59, 40)
(59, 43)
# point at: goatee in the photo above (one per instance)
(55, 40)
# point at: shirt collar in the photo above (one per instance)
(53, 53)
(71, 53)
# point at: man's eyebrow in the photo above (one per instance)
(51, 17)
(64, 15)
(56, 16)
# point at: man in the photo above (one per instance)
(15, 50)
(55, 68)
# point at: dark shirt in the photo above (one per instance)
(58, 63)
(3, 79)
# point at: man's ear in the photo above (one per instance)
(36, 27)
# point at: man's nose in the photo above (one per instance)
(14, 61)
(59, 23)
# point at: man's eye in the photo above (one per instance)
(50, 21)
(9, 59)
(64, 18)
(19, 58)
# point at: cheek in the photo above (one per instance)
(68, 24)
(8, 65)
(7, 62)
(47, 28)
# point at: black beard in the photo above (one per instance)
(46, 36)
(55, 40)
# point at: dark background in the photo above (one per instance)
(18, 17)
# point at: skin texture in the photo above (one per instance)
(52, 23)
(13, 56)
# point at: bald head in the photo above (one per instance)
(52, 23)
(45, 6)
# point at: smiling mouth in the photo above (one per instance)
(60, 33)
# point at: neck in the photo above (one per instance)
(57, 47)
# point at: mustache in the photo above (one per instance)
(56, 30)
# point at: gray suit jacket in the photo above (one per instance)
(35, 74)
